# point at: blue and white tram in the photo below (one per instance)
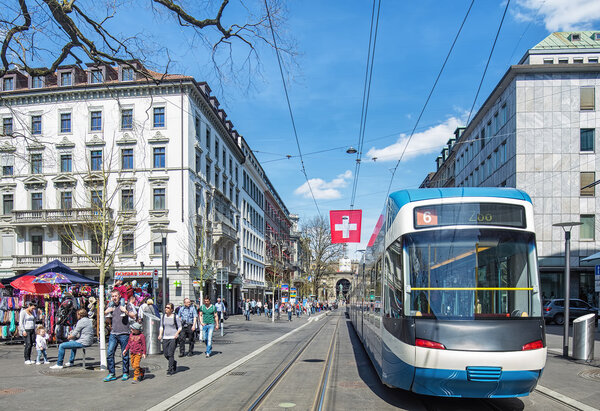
(447, 298)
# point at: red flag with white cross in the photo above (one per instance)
(345, 226)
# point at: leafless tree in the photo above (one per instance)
(58, 32)
(324, 254)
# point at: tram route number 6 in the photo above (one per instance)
(427, 217)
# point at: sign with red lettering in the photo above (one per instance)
(133, 274)
(427, 217)
(345, 226)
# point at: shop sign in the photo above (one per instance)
(133, 274)
(292, 292)
(597, 278)
(284, 288)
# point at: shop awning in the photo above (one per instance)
(592, 257)
(57, 267)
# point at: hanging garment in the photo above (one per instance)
(13, 326)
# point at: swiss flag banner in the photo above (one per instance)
(345, 226)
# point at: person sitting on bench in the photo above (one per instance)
(82, 336)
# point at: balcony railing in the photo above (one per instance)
(58, 216)
(221, 229)
(72, 260)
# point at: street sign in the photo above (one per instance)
(155, 284)
(284, 288)
(222, 277)
(292, 292)
(155, 274)
(597, 278)
(229, 286)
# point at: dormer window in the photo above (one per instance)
(127, 74)
(65, 79)
(596, 36)
(37, 82)
(575, 37)
(96, 77)
(563, 61)
(8, 84)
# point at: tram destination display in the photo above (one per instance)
(507, 215)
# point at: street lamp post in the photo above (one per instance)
(567, 227)
(163, 233)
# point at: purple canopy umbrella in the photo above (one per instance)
(52, 278)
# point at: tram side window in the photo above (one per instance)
(394, 285)
(376, 299)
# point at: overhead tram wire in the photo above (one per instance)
(429, 97)
(287, 97)
(488, 62)
(366, 96)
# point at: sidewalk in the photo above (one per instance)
(34, 386)
(572, 378)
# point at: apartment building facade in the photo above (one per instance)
(156, 151)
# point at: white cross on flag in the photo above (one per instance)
(345, 226)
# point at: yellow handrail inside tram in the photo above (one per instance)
(471, 288)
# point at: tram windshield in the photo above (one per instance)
(472, 274)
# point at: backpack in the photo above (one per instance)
(174, 317)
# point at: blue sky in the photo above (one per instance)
(326, 83)
(326, 91)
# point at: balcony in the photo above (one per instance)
(57, 216)
(221, 230)
(225, 265)
(74, 261)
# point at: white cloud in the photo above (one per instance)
(425, 142)
(560, 15)
(324, 190)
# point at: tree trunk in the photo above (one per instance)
(101, 337)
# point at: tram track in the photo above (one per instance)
(320, 400)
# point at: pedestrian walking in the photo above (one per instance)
(168, 332)
(209, 322)
(247, 308)
(289, 309)
(189, 322)
(27, 318)
(258, 307)
(41, 344)
(82, 336)
(220, 306)
(136, 346)
(119, 334)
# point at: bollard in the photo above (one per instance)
(151, 326)
(583, 337)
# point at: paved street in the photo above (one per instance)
(352, 383)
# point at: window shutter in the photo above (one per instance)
(587, 98)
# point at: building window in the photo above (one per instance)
(96, 199)
(158, 157)
(36, 163)
(127, 159)
(159, 199)
(96, 160)
(585, 179)
(482, 136)
(216, 152)
(7, 125)
(96, 121)
(548, 61)
(37, 82)
(578, 60)
(503, 153)
(563, 60)
(7, 203)
(66, 200)
(504, 114)
(95, 244)
(36, 201)
(97, 77)
(488, 131)
(224, 161)
(65, 79)
(208, 172)
(66, 163)
(8, 84)
(197, 124)
(36, 124)
(593, 60)
(36, 245)
(127, 243)
(198, 163)
(157, 247)
(66, 246)
(208, 138)
(127, 119)
(7, 170)
(65, 122)
(127, 74)
(586, 98)
(496, 124)
(587, 230)
(159, 117)
(586, 139)
(127, 199)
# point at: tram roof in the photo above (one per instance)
(403, 197)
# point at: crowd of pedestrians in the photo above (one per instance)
(180, 326)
